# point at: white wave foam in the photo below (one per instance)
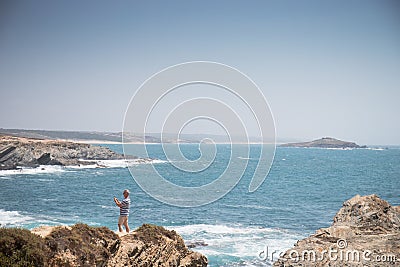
(96, 164)
(83, 166)
(245, 158)
(252, 207)
(39, 170)
(339, 148)
(376, 148)
(350, 148)
(13, 218)
(236, 241)
(123, 163)
(44, 180)
(17, 219)
(116, 163)
(113, 208)
(158, 161)
(222, 229)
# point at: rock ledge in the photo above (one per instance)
(365, 232)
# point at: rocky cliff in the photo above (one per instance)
(365, 232)
(28, 152)
(82, 245)
(152, 245)
(326, 142)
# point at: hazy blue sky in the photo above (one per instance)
(327, 68)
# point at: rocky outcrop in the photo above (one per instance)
(81, 245)
(326, 142)
(152, 245)
(149, 245)
(27, 152)
(365, 232)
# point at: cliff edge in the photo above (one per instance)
(365, 232)
(82, 245)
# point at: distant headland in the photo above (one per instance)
(325, 142)
(22, 152)
(94, 137)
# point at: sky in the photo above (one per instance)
(326, 68)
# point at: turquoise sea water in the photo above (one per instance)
(303, 191)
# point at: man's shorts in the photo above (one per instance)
(122, 220)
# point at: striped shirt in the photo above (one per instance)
(124, 209)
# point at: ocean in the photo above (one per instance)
(303, 191)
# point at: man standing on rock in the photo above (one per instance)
(123, 210)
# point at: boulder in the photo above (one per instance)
(365, 232)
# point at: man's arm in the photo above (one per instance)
(117, 202)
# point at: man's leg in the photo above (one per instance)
(126, 225)
(120, 223)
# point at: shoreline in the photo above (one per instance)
(21, 152)
(100, 164)
(158, 143)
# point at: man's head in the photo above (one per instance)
(126, 193)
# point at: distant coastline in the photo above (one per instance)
(23, 152)
(325, 142)
(115, 138)
(92, 137)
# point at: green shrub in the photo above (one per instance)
(19, 247)
(87, 246)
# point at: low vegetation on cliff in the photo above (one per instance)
(82, 245)
(19, 247)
